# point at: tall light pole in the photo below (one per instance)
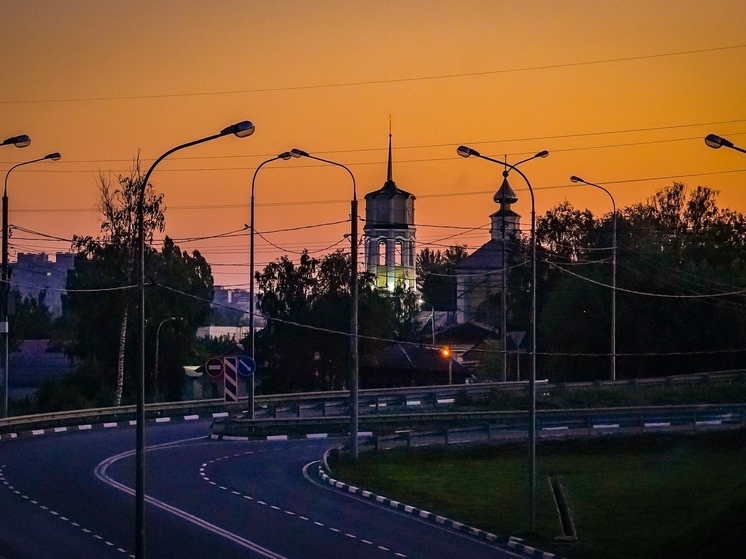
(25, 140)
(252, 329)
(157, 344)
(354, 295)
(613, 273)
(716, 142)
(242, 130)
(465, 151)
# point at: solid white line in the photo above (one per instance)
(243, 542)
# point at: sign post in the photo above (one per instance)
(247, 367)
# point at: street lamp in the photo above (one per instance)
(284, 156)
(157, 342)
(716, 142)
(19, 141)
(465, 151)
(613, 273)
(446, 353)
(242, 130)
(353, 292)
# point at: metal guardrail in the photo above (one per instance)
(546, 419)
(339, 398)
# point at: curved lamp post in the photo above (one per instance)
(354, 294)
(20, 141)
(613, 273)
(284, 156)
(242, 130)
(157, 343)
(716, 142)
(465, 151)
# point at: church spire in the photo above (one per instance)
(390, 174)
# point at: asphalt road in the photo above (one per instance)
(68, 495)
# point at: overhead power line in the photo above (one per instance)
(376, 82)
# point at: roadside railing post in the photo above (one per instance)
(297, 410)
(323, 408)
(446, 433)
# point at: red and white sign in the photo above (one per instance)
(230, 379)
(214, 367)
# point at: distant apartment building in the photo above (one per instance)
(34, 273)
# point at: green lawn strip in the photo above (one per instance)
(638, 497)
(618, 396)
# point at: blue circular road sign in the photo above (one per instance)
(246, 366)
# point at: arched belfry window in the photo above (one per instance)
(399, 255)
(381, 253)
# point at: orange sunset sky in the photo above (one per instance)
(620, 92)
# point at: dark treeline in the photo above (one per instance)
(676, 251)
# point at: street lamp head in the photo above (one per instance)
(285, 155)
(465, 151)
(716, 142)
(241, 129)
(295, 152)
(53, 156)
(542, 154)
(576, 179)
(21, 141)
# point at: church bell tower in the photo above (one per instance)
(390, 234)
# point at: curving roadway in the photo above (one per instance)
(69, 495)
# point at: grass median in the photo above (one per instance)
(654, 496)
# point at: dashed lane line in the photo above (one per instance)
(203, 474)
(55, 513)
(101, 474)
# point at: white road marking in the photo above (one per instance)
(102, 475)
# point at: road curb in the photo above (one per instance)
(292, 437)
(414, 511)
(513, 542)
(106, 425)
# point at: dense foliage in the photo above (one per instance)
(306, 343)
(677, 252)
